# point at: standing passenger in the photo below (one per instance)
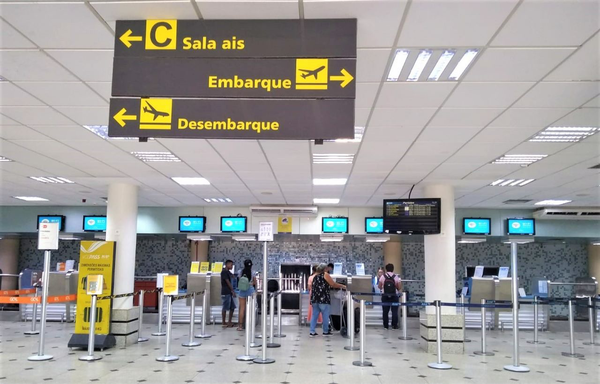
(246, 285)
(389, 283)
(227, 294)
(321, 299)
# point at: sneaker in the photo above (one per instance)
(386, 328)
(327, 333)
(313, 334)
(395, 328)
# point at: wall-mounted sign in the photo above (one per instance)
(284, 224)
(232, 119)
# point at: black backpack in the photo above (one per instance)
(389, 285)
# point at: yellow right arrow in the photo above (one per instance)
(121, 117)
(126, 38)
(345, 78)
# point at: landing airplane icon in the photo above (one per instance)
(314, 72)
(150, 109)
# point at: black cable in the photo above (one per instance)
(410, 192)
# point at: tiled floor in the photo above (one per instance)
(300, 360)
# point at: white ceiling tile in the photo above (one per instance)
(232, 9)
(5, 120)
(505, 134)
(453, 23)
(393, 117)
(88, 65)
(529, 117)
(19, 132)
(413, 95)
(403, 134)
(360, 116)
(131, 10)
(559, 95)
(378, 21)
(595, 103)
(449, 134)
(58, 25)
(31, 66)
(371, 64)
(11, 38)
(62, 132)
(584, 117)
(64, 94)
(556, 23)
(10, 94)
(516, 64)
(86, 115)
(529, 147)
(35, 115)
(582, 65)
(103, 88)
(462, 117)
(486, 95)
(365, 94)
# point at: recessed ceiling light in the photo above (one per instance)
(30, 198)
(329, 181)
(156, 156)
(518, 159)
(462, 65)
(419, 65)
(51, 180)
(333, 158)
(441, 65)
(326, 201)
(564, 134)
(397, 65)
(511, 182)
(190, 180)
(217, 200)
(553, 202)
(4, 159)
(358, 136)
(102, 131)
(2, 79)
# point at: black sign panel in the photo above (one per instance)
(335, 38)
(232, 119)
(412, 216)
(264, 78)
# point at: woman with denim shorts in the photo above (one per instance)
(243, 295)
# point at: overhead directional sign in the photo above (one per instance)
(334, 38)
(273, 78)
(232, 118)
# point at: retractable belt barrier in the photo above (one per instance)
(17, 292)
(36, 299)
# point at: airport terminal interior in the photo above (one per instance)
(292, 191)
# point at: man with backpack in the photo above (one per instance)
(390, 285)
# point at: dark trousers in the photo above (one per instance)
(387, 309)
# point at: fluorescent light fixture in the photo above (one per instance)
(51, 180)
(441, 65)
(333, 158)
(147, 157)
(397, 64)
(102, 131)
(329, 181)
(3, 78)
(377, 238)
(4, 159)
(358, 136)
(553, 202)
(564, 134)
(244, 237)
(463, 64)
(190, 180)
(511, 182)
(332, 238)
(199, 237)
(419, 65)
(596, 243)
(326, 201)
(217, 200)
(30, 198)
(519, 159)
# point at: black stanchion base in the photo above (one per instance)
(590, 343)
(467, 340)
(349, 348)
(439, 366)
(255, 345)
(405, 338)
(535, 342)
(246, 358)
(362, 363)
(142, 339)
(202, 336)
(158, 333)
(102, 342)
(574, 355)
(191, 344)
(273, 345)
(282, 335)
(31, 332)
(167, 358)
(481, 353)
(265, 361)
(516, 368)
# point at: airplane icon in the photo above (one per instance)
(314, 72)
(150, 109)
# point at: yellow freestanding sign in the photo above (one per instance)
(95, 258)
(204, 266)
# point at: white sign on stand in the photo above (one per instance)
(48, 236)
(159, 279)
(265, 231)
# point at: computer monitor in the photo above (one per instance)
(520, 227)
(335, 225)
(94, 223)
(477, 226)
(192, 223)
(232, 224)
(61, 220)
(374, 224)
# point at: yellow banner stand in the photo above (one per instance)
(204, 266)
(195, 267)
(95, 258)
(217, 267)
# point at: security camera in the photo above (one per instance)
(318, 141)
(84, 200)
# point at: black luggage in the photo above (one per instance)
(345, 321)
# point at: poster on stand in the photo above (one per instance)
(204, 266)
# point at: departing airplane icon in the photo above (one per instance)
(150, 109)
(308, 72)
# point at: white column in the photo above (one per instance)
(440, 252)
(121, 226)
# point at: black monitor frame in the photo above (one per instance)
(477, 218)
(343, 217)
(192, 217)
(61, 227)
(234, 217)
(519, 234)
(439, 219)
(85, 217)
(367, 219)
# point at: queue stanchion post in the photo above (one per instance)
(592, 318)
(483, 351)
(92, 335)
(205, 311)
(249, 326)
(350, 323)
(464, 321)
(536, 323)
(439, 364)
(168, 357)
(271, 343)
(41, 356)
(161, 299)
(33, 330)
(253, 343)
(141, 339)
(191, 343)
(571, 352)
(263, 359)
(404, 318)
(363, 330)
(279, 305)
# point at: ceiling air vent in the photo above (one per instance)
(516, 201)
(562, 213)
(590, 213)
(271, 210)
(568, 214)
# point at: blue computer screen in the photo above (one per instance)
(476, 226)
(53, 219)
(192, 224)
(374, 225)
(520, 227)
(233, 224)
(335, 225)
(94, 223)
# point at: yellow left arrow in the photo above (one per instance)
(345, 78)
(126, 38)
(121, 117)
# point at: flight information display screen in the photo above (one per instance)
(412, 216)
(233, 223)
(335, 225)
(472, 226)
(525, 227)
(94, 223)
(374, 224)
(52, 219)
(192, 223)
